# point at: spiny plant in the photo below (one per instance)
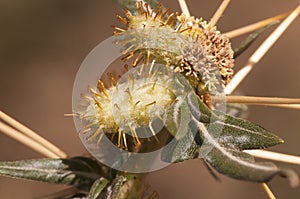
(182, 65)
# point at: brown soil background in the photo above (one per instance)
(42, 44)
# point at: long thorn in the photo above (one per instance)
(261, 51)
(258, 100)
(255, 26)
(184, 8)
(214, 20)
(279, 157)
(268, 191)
(11, 132)
(32, 135)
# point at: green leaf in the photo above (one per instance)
(233, 132)
(235, 163)
(179, 150)
(79, 171)
(97, 188)
(251, 38)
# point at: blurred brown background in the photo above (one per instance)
(42, 44)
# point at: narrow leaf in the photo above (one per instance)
(78, 172)
(114, 190)
(237, 164)
(97, 188)
(251, 38)
(233, 132)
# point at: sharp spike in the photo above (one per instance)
(95, 134)
(102, 88)
(137, 103)
(154, 84)
(121, 19)
(162, 16)
(112, 80)
(151, 68)
(128, 92)
(119, 137)
(148, 56)
(127, 13)
(152, 103)
(72, 115)
(156, 15)
(153, 133)
(134, 135)
(127, 50)
(126, 67)
(137, 60)
(100, 138)
(91, 124)
(86, 97)
(186, 29)
(118, 29)
(147, 10)
(127, 57)
(117, 106)
(169, 18)
(124, 140)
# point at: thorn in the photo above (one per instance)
(151, 67)
(126, 67)
(100, 138)
(121, 19)
(136, 103)
(116, 106)
(102, 88)
(125, 141)
(137, 60)
(162, 16)
(168, 19)
(186, 29)
(86, 97)
(118, 29)
(91, 124)
(153, 133)
(113, 82)
(141, 70)
(95, 134)
(154, 84)
(127, 57)
(127, 50)
(134, 135)
(71, 114)
(119, 137)
(157, 13)
(127, 13)
(152, 103)
(147, 13)
(85, 131)
(128, 92)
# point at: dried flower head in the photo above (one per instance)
(216, 45)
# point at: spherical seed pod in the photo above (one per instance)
(116, 122)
